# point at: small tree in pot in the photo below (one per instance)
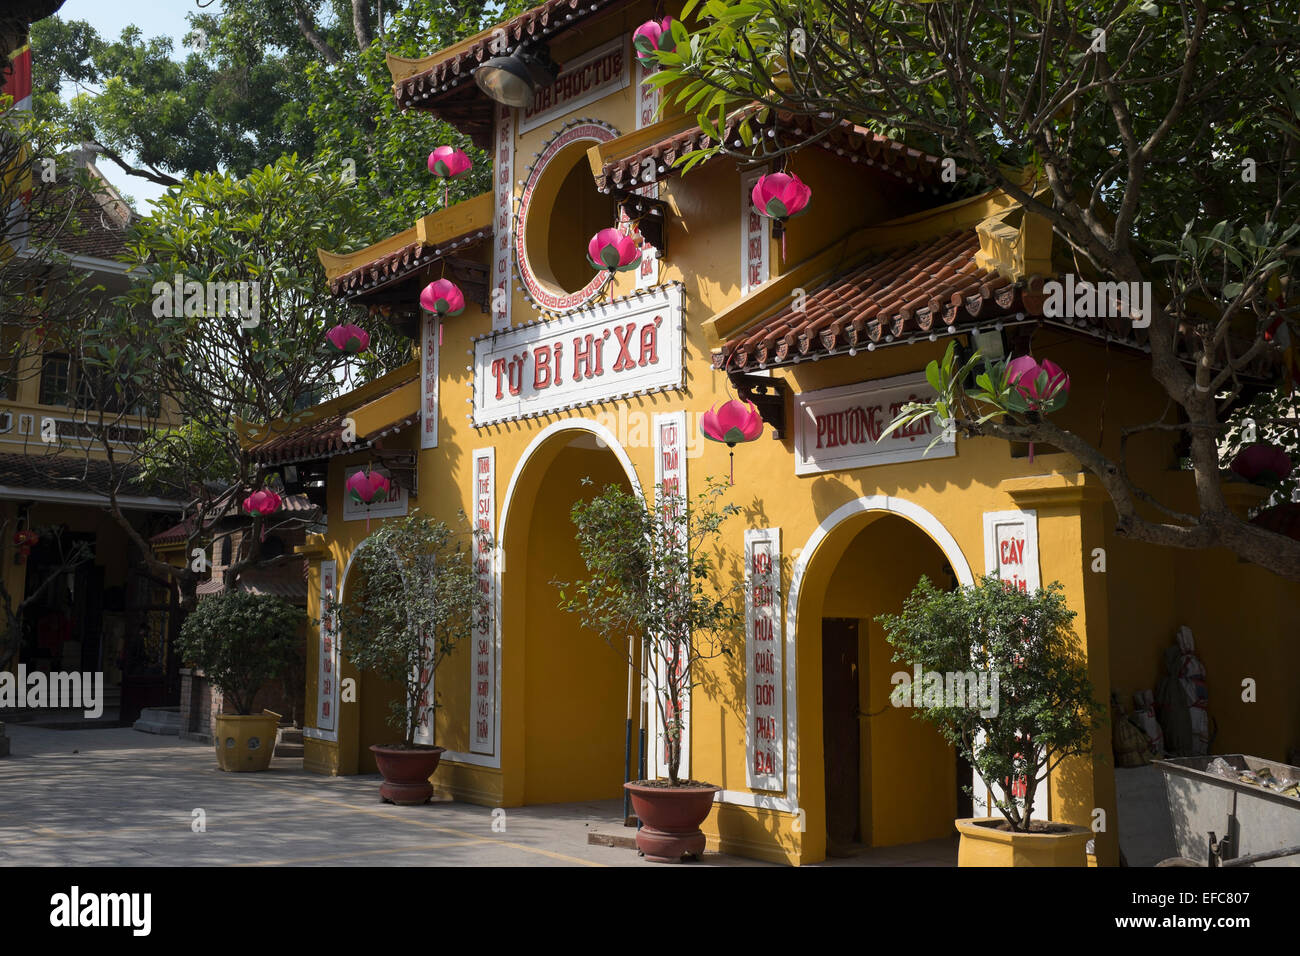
(241, 640)
(413, 605)
(1015, 701)
(652, 574)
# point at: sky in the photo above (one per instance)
(154, 18)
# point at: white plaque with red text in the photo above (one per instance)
(503, 194)
(483, 658)
(584, 79)
(755, 237)
(670, 484)
(765, 723)
(429, 382)
(327, 658)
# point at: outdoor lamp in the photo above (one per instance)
(514, 79)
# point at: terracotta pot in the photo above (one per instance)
(246, 742)
(406, 772)
(984, 845)
(670, 819)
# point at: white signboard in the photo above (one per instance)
(670, 482)
(838, 428)
(424, 727)
(429, 382)
(647, 108)
(327, 656)
(755, 237)
(503, 191)
(394, 507)
(483, 659)
(584, 80)
(625, 346)
(765, 723)
(1011, 552)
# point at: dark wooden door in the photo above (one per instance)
(841, 731)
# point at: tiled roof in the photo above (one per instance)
(77, 474)
(290, 504)
(396, 266)
(854, 143)
(931, 285)
(444, 83)
(320, 439)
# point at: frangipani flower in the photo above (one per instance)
(262, 502)
(654, 35)
(366, 488)
(1042, 387)
(348, 339)
(449, 162)
(734, 422)
(610, 249)
(443, 297)
(781, 196)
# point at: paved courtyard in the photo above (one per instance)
(107, 797)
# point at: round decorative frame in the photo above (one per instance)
(542, 297)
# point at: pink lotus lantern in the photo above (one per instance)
(367, 488)
(781, 196)
(448, 162)
(348, 339)
(654, 35)
(734, 422)
(1262, 463)
(609, 249)
(262, 503)
(1042, 387)
(442, 297)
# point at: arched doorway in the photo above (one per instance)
(574, 685)
(887, 778)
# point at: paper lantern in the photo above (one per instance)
(24, 541)
(443, 297)
(348, 339)
(611, 250)
(654, 35)
(781, 196)
(262, 503)
(449, 162)
(1040, 387)
(733, 423)
(1263, 463)
(367, 488)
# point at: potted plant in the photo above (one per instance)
(241, 640)
(414, 604)
(652, 575)
(1042, 710)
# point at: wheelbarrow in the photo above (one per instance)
(1219, 821)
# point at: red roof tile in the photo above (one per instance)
(321, 439)
(404, 262)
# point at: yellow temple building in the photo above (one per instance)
(550, 377)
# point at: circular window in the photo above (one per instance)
(560, 209)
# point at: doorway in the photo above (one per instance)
(841, 735)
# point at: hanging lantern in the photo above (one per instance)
(651, 36)
(1262, 463)
(1040, 387)
(612, 251)
(781, 196)
(24, 541)
(348, 339)
(734, 422)
(448, 162)
(367, 488)
(443, 297)
(262, 503)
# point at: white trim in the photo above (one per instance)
(12, 493)
(312, 733)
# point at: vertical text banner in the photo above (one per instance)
(327, 685)
(647, 111)
(429, 383)
(755, 237)
(503, 194)
(765, 734)
(670, 482)
(483, 661)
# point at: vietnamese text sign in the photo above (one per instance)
(839, 428)
(327, 655)
(670, 493)
(625, 346)
(1011, 548)
(765, 729)
(429, 382)
(483, 660)
(585, 79)
(755, 237)
(503, 193)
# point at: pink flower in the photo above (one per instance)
(651, 36)
(262, 503)
(1043, 387)
(449, 162)
(443, 297)
(610, 249)
(780, 195)
(366, 488)
(348, 339)
(735, 421)
(1262, 462)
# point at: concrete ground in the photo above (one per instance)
(113, 797)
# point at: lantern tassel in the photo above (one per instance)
(1031, 452)
(732, 467)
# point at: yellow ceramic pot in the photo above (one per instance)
(984, 845)
(246, 742)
